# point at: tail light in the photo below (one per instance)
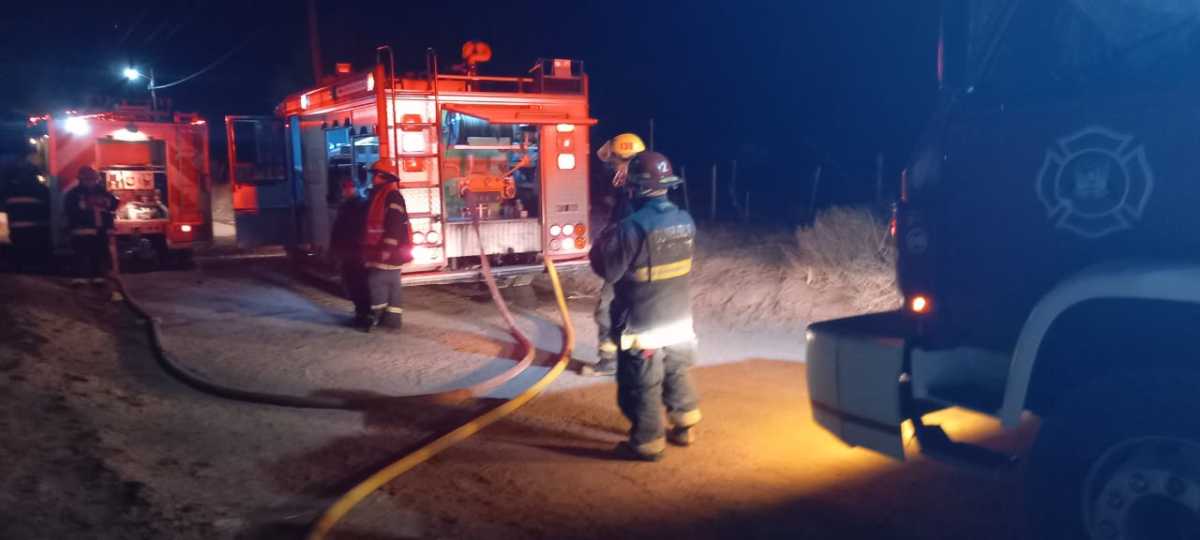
(566, 162)
(414, 165)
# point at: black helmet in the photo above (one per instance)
(651, 171)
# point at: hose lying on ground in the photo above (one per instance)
(176, 370)
(351, 498)
(343, 505)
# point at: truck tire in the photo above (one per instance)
(1119, 460)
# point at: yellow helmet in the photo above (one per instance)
(622, 147)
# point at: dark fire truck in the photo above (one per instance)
(1049, 265)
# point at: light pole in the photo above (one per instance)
(133, 74)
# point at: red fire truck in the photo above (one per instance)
(156, 164)
(512, 151)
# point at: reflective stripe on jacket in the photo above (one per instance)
(387, 236)
(648, 258)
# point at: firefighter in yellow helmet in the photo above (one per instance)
(387, 245)
(616, 153)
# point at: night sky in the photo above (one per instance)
(780, 86)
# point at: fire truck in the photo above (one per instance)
(510, 151)
(1051, 269)
(155, 163)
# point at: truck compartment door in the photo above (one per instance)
(564, 171)
(191, 205)
(854, 368)
(263, 198)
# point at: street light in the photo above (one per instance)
(132, 74)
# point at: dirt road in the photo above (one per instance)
(99, 443)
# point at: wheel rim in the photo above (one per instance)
(1144, 489)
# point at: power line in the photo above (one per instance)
(209, 67)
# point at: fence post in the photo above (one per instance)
(878, 179)
(812, 202)
(687, 203)
(712, 201)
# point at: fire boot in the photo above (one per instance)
(651, 451)
(682, 432)
(392, 319)
(369, 322)
(606, 365)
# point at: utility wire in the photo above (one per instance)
(209, 67)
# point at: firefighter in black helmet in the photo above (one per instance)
(346, 243)
(647, 257)
(90, 210)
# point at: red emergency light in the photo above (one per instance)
(410, 122)
(343, 68)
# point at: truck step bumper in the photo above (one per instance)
(854, 369)
(862, 393)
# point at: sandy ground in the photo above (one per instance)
(99, 443)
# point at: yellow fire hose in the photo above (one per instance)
(351, 498)
(343, 505)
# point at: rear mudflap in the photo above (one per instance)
(855, 367)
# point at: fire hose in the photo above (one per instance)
(343, 505)
(175, 369)
(351, 498)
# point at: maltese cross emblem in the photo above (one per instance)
(1095, 182)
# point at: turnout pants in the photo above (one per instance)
(91, 255)
(649, 380)
(603, 316)
(30, 247)
(386, 296)
(354, 281)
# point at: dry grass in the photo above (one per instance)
(840, 266)
(848, 250)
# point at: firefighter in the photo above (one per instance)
(346, 244)
(90, 209)
(616, 154)
(27, 203)
(387, 244)
(647, 258)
